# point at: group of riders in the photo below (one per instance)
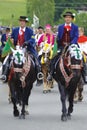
(23, 36)
(25, 64)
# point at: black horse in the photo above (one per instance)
(21, 78)
(67, 74)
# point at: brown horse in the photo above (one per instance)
(45, 62)
(78, 96)
(21, 78)
(67, 74)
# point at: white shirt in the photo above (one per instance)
(37, 37)
(68, 24)
(20, 32)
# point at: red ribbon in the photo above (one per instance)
(68, 27)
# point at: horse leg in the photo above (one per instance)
(63, 100)
(71, 93)
(9, 96)
(80, 90)
(28, 92)
(45, 89)
(22, 116)
(13, 99)
(15, 110)
(26, 95)
(49, 86)
(76, 95)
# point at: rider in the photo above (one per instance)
(24, 36)
(67, 34)
(4, 38)
(47, 37)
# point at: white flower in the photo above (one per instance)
(74, 14)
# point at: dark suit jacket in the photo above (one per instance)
(73, 34)
(3, 39)
(28, 37)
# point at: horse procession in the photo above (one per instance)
(44, 57)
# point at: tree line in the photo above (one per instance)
(51, 11)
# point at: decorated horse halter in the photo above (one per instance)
(18, 56)
(21, 58)
(77, 55)
(46, 49)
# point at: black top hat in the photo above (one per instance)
(69, 14)
(24, 18)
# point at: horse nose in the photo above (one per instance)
(45, 59)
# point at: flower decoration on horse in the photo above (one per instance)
(75, 52)
(18, 55)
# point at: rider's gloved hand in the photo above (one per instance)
(25, 44)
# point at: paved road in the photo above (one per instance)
(45, 112)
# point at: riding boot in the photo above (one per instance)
(5, 70)
(52, 67)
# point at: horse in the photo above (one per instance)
(45, 63)
(79, 91)
(78, 96)
(67, 74)
(20, 80)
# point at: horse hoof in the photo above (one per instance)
(69, 116)
(64, 118)
(9, 100)
(49, 91)
(45, 91)
(16, 113)
(22, 116)
(80, 99)
(26, 112)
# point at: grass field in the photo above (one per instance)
(10, 10)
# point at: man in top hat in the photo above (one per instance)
(67, 34)
(23, 36)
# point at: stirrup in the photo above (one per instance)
(40, 76)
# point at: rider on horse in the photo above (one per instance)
(67, 34)
(4, 38)
(23, 36)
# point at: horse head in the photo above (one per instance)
(46, 53)
(18, 60)
(76, 56)
(73, 56)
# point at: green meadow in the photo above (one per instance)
(10, 10)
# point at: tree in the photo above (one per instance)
(43, 9)
(61, 5)
(80, 19)
(61, 20)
